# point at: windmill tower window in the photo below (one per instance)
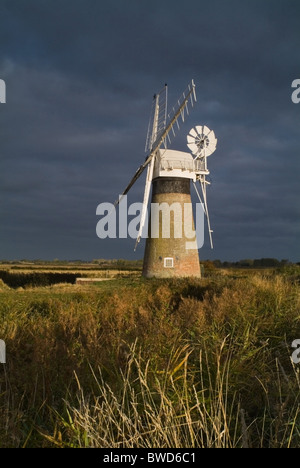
(169, 262)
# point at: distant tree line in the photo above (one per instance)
(252, 263)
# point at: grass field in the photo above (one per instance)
(147, 363)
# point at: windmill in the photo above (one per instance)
(169, 172)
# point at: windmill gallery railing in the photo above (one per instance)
(192, 166)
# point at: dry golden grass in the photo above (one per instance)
(136, 363)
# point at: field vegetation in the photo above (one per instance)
(152, 363)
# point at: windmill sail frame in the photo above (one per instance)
(188, 96)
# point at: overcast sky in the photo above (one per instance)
(80, 77)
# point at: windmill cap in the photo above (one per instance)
(174, 155)
(172, 163)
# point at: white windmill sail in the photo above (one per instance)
(156, 124)
(158, 117)
(189, 96)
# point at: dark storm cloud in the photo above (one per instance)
(80, 77)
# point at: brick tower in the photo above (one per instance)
(171, 247)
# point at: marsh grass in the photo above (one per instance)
(136, 363)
